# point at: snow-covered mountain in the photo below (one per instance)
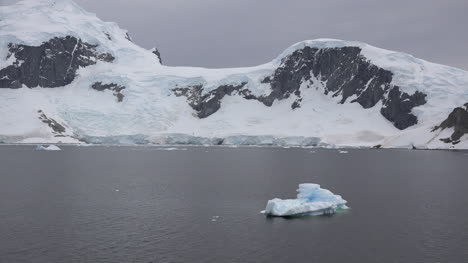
(67, 76)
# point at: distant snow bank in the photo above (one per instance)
(48, 148)
(311, 200)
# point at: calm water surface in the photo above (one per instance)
(145, 204)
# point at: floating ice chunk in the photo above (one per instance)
(84, 145)
(48, 148)
(343, 151)
(311, 200)
(172, 149)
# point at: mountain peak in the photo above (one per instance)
(46, 6)
(32, 22)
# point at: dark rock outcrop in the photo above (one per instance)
(116, 89)
(157, 53)
(397, 107)
(458, 120)
(128, 37)
(210, 102)
(52, 64)
(56, 127)
(342, 72)
(108, 36)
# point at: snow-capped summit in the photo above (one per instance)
(67, 76)
(41, 20)
(34, 22)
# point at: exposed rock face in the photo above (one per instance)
(209, 103)
(108, 36)
(56, 127)
(52, 64)
(113, 87)
(157, 53)
(128, 37)
(458, 120)
(343, 72)
(397, 107)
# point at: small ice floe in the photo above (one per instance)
(311, 200)
(48, 148)
(341, 151)
(84, 145)
(117, 190)
(214, 218)
(172, 149)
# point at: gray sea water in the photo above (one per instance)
(202, 204)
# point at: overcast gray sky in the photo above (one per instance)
(231, 33)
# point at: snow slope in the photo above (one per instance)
(150, 113)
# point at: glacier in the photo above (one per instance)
(311, 201)
(237, 103)
(184, 139)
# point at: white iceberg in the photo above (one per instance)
(311, 200)
(48, 148)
